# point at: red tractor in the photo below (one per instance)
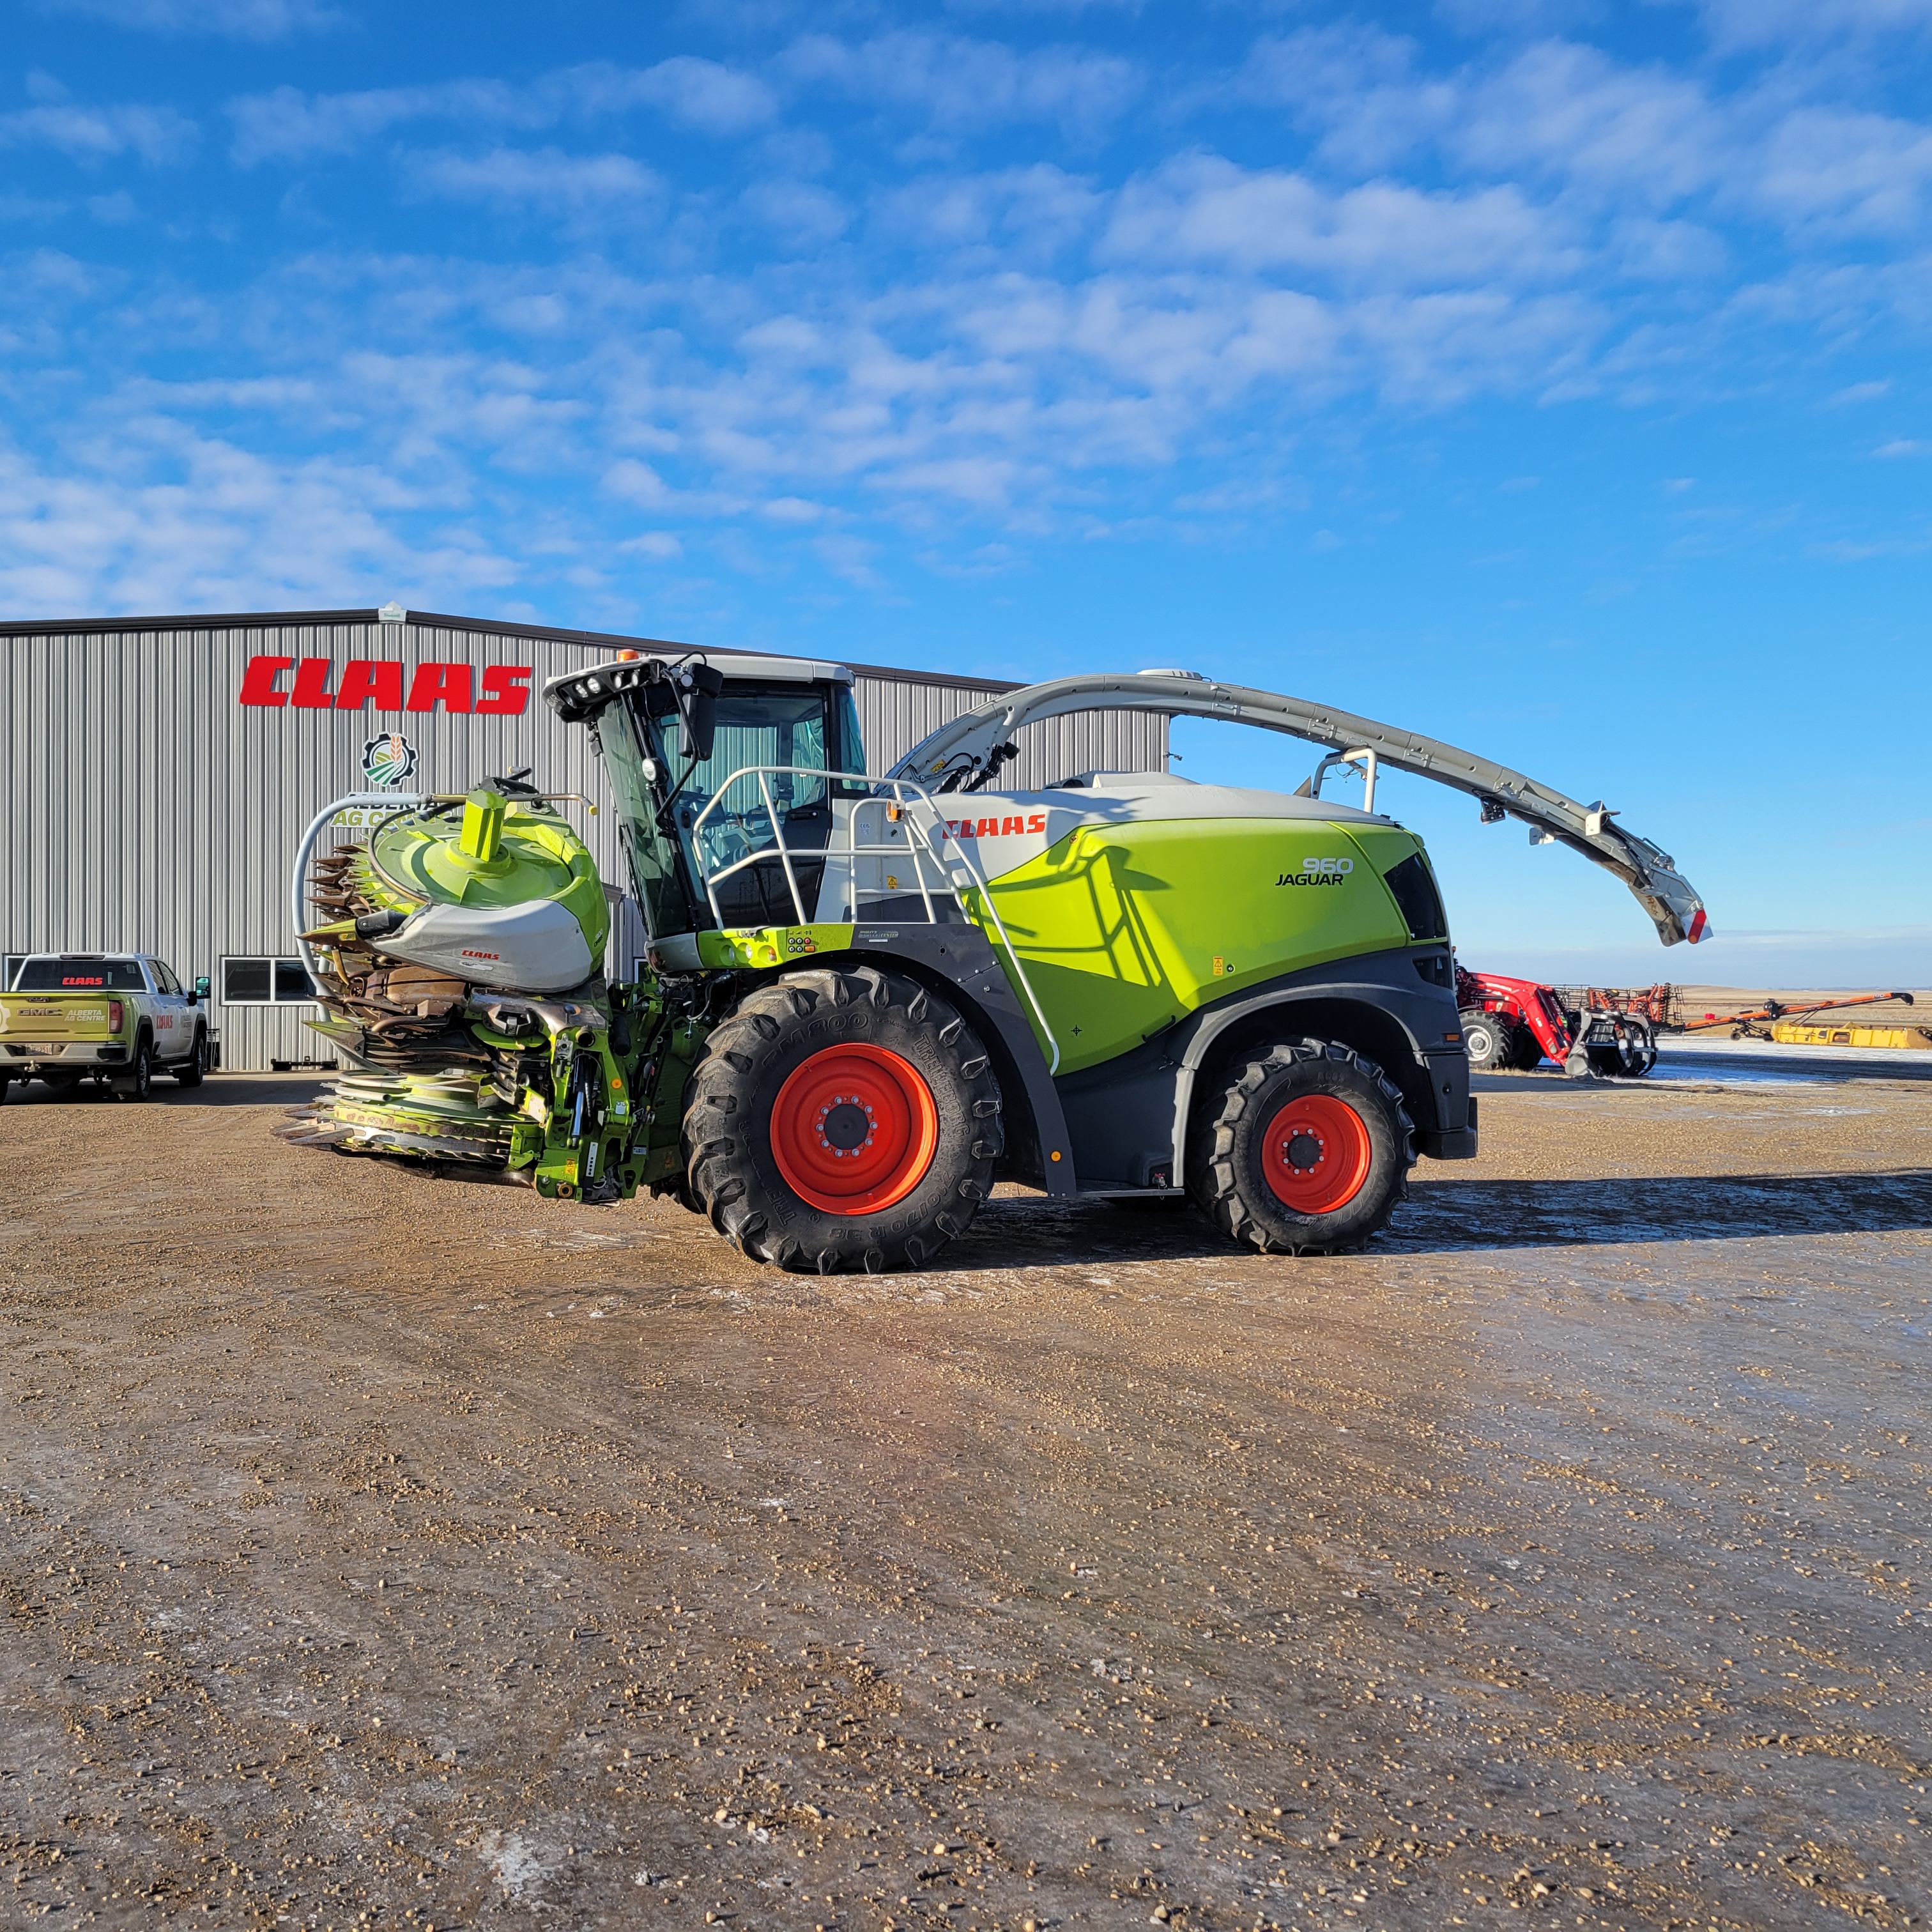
(1585, 1030)
(1520, 1023)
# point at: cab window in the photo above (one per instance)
(80, 976)
(783, 738)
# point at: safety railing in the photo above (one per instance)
(1363, 756)
(894, 795)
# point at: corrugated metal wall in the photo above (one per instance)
(896, 713)
(148, 810)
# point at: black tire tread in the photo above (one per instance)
(726, 1163)
(191, 1072)
(1508, 1043)
(1217, 1187)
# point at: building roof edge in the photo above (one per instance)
(480, 627)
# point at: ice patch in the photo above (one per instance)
(514, 1860)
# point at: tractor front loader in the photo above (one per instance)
(865, 1002)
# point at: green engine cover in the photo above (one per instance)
(1124, 929)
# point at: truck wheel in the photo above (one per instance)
(6, 1081)
(1528, 1054)
(64, 1081)
(1490, 1040)
(194, 1068)
(138, 1080)
(1308, 1151)
(842, 1119)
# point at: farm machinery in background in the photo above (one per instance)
(866, 1001)
(1609, 1031)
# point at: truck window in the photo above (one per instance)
(165, 979)
(49, 974)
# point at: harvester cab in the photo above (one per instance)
(866, 1001)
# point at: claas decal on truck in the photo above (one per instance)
(504, 692)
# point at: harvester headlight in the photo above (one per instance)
(592, 684)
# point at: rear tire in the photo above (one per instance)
(842, 1119)
(193, 1070)
(138, 1082)
(1528, 1054)
(1490, 1040)
(1307, 1152)
(6, 1081)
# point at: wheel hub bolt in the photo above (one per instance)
(1303, 1150)
(845, 1125)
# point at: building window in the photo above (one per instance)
(249, 982)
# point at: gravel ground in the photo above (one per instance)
(381, 1550)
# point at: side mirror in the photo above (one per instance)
(700, 710)
(201, 991)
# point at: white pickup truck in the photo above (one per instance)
(118, 1017)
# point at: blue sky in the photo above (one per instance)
(1549, 376)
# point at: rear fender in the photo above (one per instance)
(1432, 1071)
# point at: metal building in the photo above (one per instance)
(162, 771)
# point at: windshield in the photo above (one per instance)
(80, 976)
(654, 867)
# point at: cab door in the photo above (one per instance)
(174, 1019)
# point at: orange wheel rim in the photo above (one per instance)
(854, 1129)
(1316, 1154)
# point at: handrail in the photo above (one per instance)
(900, 789)
(1364, 756)
(298, 881)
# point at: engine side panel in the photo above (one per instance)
(1129, 1118)
(1124, 929)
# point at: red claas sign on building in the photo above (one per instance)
(505, 688)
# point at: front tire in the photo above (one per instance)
(138, 1082)
(840, 1119)
(1307, 1152)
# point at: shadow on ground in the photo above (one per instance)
(1452, 1215)
(220, 1090)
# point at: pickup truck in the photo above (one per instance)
(118, 1018)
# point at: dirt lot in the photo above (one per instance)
(384, 1551)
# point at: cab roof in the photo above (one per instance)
(575, 695)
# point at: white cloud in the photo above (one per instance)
(1571, 111)
(30, 208)
(1203, 209)
(1023, 213)
(287, 125)
(89, 135)
(1518, 16)
(801, 215)
(1865, 172)
(1735, 23)
(157, 518)
(958, 83)
(237, 20)
(689, 92)
(542, 179)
